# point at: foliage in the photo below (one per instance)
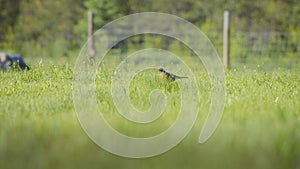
(49, 24)
(57, 28)
(9, 11)
(104, 11)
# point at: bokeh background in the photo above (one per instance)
(264, 33)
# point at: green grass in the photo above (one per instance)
(260, 127)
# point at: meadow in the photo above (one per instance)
(260, 127)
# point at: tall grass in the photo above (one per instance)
(260, 127)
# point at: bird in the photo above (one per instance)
(169, 76)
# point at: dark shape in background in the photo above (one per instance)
(14, 60)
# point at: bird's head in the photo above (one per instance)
(161, 70)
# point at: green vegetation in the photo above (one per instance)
(259, 129)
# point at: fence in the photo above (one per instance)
(269, 50)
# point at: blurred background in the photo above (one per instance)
(263, 33)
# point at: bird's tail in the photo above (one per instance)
(182, 77)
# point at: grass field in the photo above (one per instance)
(260, 127)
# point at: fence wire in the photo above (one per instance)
(265, 49)
(268, 50)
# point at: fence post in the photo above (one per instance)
(226, 40)
(91, 49)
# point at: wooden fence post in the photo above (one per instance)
(226, 40)
(91, 49)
